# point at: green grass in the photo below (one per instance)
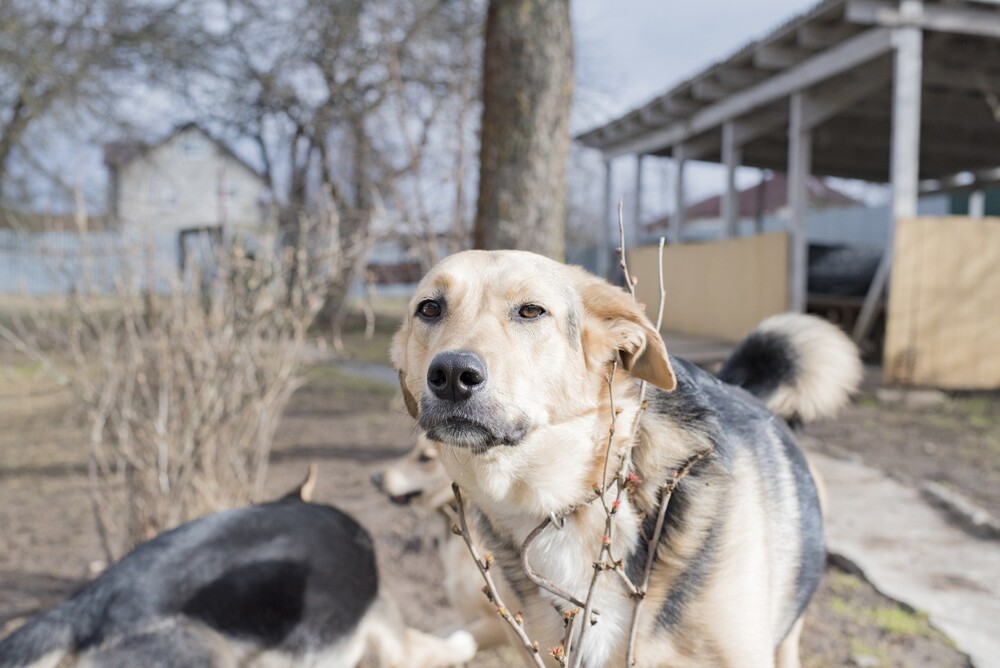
(860, 647)
(894, 621)
(867, 400)
(900, 623)
(844, 583)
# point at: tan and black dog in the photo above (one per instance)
(504, 361)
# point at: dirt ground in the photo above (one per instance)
(954, 441)
(351, 426)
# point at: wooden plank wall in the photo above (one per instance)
(943, 326)
(721, 289)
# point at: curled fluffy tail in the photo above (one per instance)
(800, 366)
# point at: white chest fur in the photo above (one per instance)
(566, 557)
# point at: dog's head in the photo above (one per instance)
(418, 477)
(500, 346)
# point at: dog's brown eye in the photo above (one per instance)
(429, 309)
(531, 311)
(424, 457)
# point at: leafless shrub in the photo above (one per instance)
(184, 387)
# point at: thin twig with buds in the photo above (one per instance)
(605, 560)
(484, 564)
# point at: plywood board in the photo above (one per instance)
(943, 327)
(721, 288)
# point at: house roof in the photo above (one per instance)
(120, 153)
(769, 197)
(840, 52)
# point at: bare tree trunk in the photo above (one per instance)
(527, 89)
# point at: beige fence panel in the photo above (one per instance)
(943, 326)
(721, 288)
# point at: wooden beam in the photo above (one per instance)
(942, 18)
(679, 106)
(846, 56)
(730, 196)
(946, 112)
(677, 220)
(655, 116)
(821, 106)
(977, 204)
(700, 148)
(799, 158)
(905, 158)
(777, 57)
(816, 36)
(961, 78)
(636, 228)
(707, 90)
(956, 146)
(745, 130)
(604, 243)
(739, 77)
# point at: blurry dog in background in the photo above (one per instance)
(419, 478)
(286, 583)
(510, 362)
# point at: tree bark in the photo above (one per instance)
(527, 89)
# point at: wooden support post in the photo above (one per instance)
(636, 232)
(799, 166)
(678, 218)
(731, 159)
(977, 204)
(604, 243)
(905, 160)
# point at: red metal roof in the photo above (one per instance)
(768, 197)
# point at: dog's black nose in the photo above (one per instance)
(456, 375)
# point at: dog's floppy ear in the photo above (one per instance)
(397, 353)
(640, 347)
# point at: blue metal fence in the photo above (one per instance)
(47, 263)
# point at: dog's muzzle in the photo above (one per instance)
(378, 480)
(456, 410)
(456, 375)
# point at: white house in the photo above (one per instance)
(186, 182)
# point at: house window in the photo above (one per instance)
(193, 147)
(169, 196)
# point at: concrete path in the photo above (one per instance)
(912, 553)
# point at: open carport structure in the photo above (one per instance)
(902, 92)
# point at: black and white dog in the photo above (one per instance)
(286, 583)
